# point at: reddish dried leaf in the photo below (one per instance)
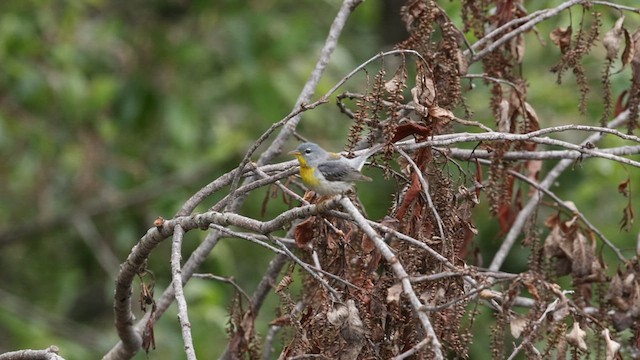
(411, 129)
(412, 194)
(505, 218)
(620, 103)
(367, 244)
(303, 234)
(148, 337)
(533, 169)
(627, 217)
(533, 290)
(623, 187)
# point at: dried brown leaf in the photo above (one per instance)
(517, 326)
(623, 187)
(424, 93)
(635, 60)
(576, 337)
(303, 234)
(338, 315)
(281, 321)
(612, 346)
(562, 38)
(582, 257)
(516, 46)
(504, 123)
(629, 49)
(613, 39)
(284, 283)
(440, 113)
(394, 292)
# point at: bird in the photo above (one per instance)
(328, 173)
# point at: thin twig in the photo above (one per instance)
(183, 314)
(465, 154)
(50, 353)
(228, 280)
(414, 349)
(616, 6)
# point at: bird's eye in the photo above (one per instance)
(307, 151)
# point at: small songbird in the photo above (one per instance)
(329, 173)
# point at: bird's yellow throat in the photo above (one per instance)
(307, 172)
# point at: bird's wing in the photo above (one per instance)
(337, 170)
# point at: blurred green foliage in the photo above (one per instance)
(112, 113)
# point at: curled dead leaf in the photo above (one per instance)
(613, 39)
(394, 292)
(517, 326)
(576, 337)
(440, 113)
(623, 187)
(303, 234)
(338, 315)
(629, 49)
(562, 38)
(489, 294)
(516, 47)
(504, 123)
(612, 346)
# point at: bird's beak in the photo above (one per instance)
(295, 153)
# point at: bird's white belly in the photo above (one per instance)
(332, 187)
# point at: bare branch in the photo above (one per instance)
(51, 353)
(617, 6)
(465, 154)
(183, 315)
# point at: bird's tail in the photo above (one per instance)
(362, 158)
